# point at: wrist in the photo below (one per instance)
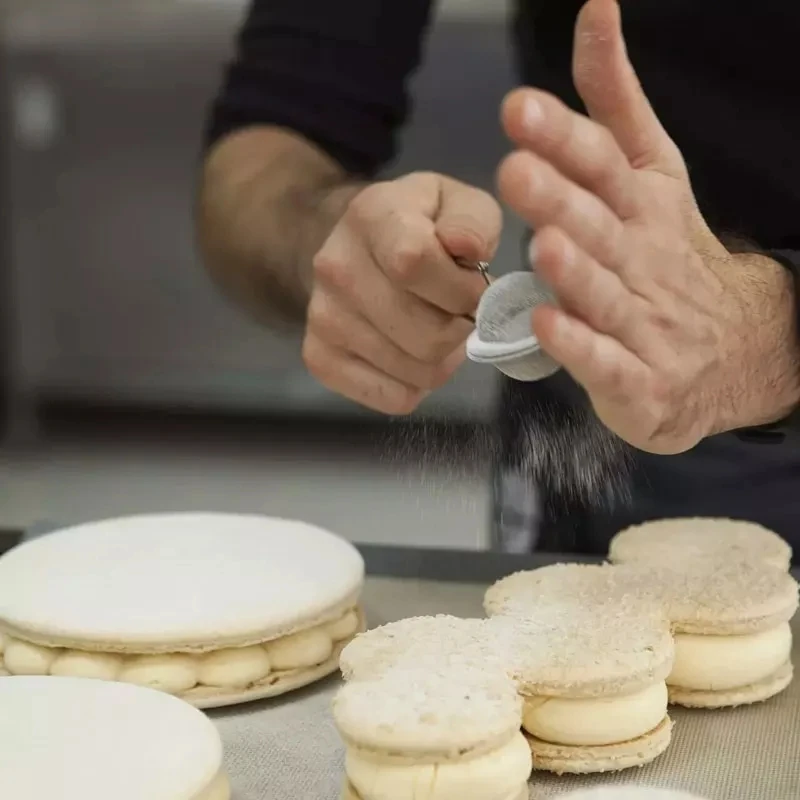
(326, 206)
(761, 359)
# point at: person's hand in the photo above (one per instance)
(650, 320)
(387, 319)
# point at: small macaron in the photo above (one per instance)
(442, 639)
(689, 539)
(455, 731)
(593, 687)
(731, 625)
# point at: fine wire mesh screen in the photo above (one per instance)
(504, 313)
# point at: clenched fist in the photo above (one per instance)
(389, 308)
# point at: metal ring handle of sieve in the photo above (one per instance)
(476, 266)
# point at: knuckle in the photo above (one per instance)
(321, 319)
(670, 377)
(406, 261)
(559, 200)
(663, 321)
(433, 350)
(610, 315)
(314, 358)
(661, 390)
(423, 177)
(614, 378)
(333, 271)
(364, 203)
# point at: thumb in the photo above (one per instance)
(610, 89)
(469, 221)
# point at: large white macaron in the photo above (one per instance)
(214, 608)
(95, 740)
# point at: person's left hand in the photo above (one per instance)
(650, 320)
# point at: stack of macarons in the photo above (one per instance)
(729, 620)
(467, 707)
(593, 654)
(214, 608)
(729, 599)
(593, 685)
(428, 710)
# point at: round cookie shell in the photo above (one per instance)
(176, 582)
(691, 538)
(99, 739)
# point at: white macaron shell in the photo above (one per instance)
(72, 737)
(176, 579)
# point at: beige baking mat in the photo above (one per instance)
(289, 749)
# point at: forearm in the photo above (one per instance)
(267, 202)
(763, 383)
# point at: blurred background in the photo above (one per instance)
(128, 383)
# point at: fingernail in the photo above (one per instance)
(532, 114)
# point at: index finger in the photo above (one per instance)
(578, 147)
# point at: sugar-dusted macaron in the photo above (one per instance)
(593, 686)
(433, 734)
(577, 586)
(729, 618)
(440, 640)
(214, 608)
(94, 740)
(691, 538)
(630, 793)
(731, 624)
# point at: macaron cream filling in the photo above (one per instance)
(498, 775)
(175, 673)
(595, 721)
(722, 663)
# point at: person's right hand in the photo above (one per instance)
(387, 317)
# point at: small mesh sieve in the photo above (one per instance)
(503, 335)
